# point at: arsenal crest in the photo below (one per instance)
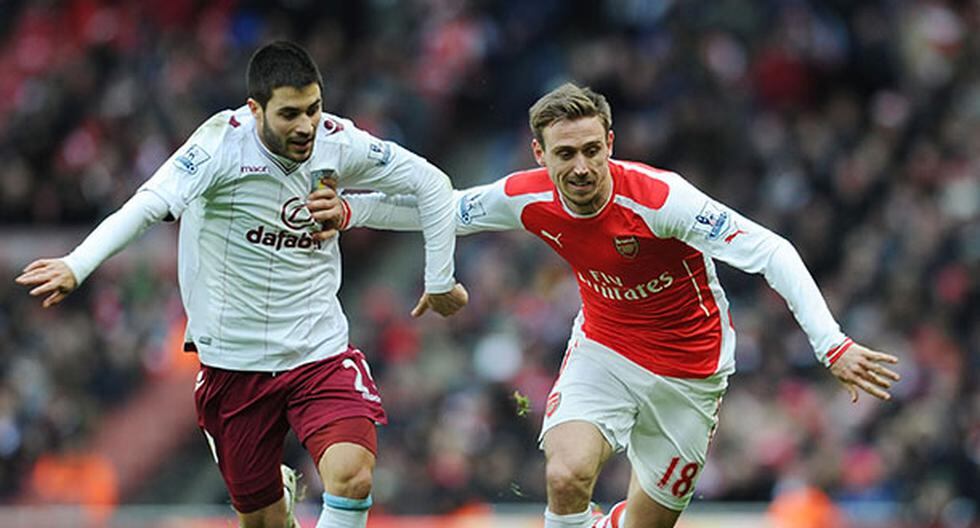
(627, 246)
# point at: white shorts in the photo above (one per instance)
(663, 423)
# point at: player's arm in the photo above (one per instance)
(163, 196)
(382, 211)
(56, 278)
(721, 232)
(475, 210)
(370, 163)
(401, 213)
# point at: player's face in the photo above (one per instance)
(576, 154)
(287, 124)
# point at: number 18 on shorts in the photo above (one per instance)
(664, 424)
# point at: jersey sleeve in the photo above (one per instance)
(477, 209)
(193, 169)
(486, 208)
(115, 232)
(382, 211)
(375, 164)
(722, 233)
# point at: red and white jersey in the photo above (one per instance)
(643, 263)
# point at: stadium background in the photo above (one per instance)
(852, 128)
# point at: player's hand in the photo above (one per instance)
(327, 210)
(444, 304)
(52, 277)
(862, 368)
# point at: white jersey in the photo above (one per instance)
(260, 293)
(644, 263)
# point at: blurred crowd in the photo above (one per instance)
(852, 128)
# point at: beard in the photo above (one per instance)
(279, 145)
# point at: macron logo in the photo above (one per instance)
(254, 169)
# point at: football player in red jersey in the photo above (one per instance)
(652, 348)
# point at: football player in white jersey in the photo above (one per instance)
(652, 348)
(261, 293)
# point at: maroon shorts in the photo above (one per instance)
(246, 415)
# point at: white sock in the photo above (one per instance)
(343, 512)
(572, 520)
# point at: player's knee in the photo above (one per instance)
(569, 479)
(353, 482)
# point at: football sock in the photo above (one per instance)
(616, 518)
(572, 520)
(343, 512)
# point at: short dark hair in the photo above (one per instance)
(568, 101)
(278, 64)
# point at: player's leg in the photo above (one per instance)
(271, 516)
(644, 512)
(241, 415)
(574, 453)
(334, 409)
(668, 447)
(346, 468)
(588, 416)
(638, 511)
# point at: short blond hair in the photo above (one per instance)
(568, 101)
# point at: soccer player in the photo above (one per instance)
(653, 345)
(261, 293)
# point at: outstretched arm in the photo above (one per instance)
(370, 163)
(722, 233)
(380, 211)
(482, 208)
(189, 172)
(475, 210)
(56, 278)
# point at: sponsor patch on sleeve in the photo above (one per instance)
(191, 159)
(471, 208)
(713, 221)
(380, 152)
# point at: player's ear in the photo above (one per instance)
(609, 140)
(255, 108)
(538, 151)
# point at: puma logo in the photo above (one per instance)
(729, 238)
(554, 238)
